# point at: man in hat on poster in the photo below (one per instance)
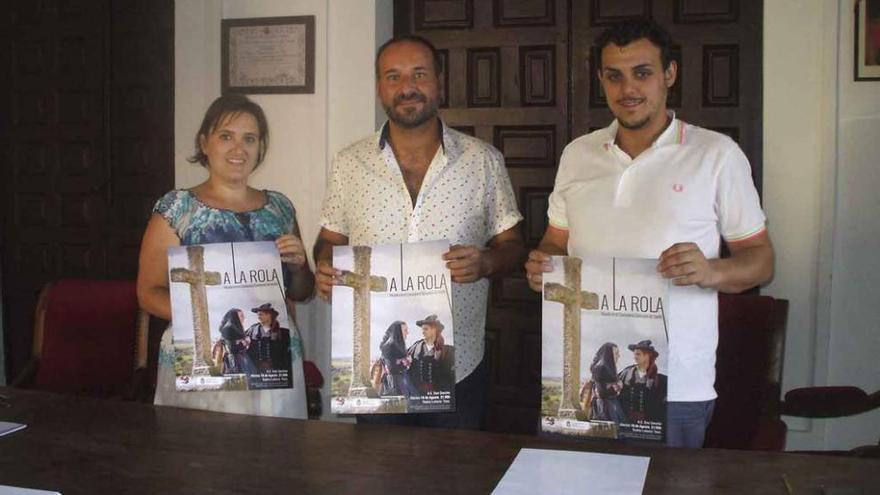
(643, 396)
(432, 359)
(269, 342)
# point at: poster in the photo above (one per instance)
(231, 328)
(392, 331)
(604, 348)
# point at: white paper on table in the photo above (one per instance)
(14, 490)
(565, 472)
(6, 428)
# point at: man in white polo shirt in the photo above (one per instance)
(652, 186)
(418, 180)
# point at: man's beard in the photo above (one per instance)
(636, 125)
(413, 118)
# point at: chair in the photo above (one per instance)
(833, 402)
(89, 338)
(751, 345)
(828, 402)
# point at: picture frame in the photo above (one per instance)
(268, 55)
(866, 34)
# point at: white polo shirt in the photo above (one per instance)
(691, 185)
(466, 198)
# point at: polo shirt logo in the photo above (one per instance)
(678, 187)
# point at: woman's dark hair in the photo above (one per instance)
(394, 337)
(625, 32)
(226, 106)
(604, 360)
(230, 325)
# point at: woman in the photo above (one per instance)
(605, 403)
(395, 361)
(231, 142)
(237, 343)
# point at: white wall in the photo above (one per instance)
(196, 79)
(305, 130)
(854, 344)
(799, 120)
(821, 140)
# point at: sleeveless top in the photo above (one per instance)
(197, 223)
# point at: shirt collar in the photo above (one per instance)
(672, 135)
(450, 142)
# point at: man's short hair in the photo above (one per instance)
(628, 31)
(411, 38)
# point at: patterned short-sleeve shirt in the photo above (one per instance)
(466, 198)
(197, 223)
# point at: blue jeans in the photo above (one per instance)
(470, 406)
(686, 423)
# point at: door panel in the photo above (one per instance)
(74, 199)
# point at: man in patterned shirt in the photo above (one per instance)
(418, 180)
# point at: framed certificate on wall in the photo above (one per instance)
(268, 55)
(867, 40)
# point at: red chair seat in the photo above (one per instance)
(88, 337)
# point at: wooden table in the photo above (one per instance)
(80, 445)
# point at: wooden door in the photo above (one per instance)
(519, 77)
(87, 116)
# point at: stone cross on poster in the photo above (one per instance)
(198, 279)
(573, 299)
(362, 282)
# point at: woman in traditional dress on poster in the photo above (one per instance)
(232, 141)
(395, 380)
(237, 359)
(605, 403)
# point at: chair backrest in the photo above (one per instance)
(751, 345)
(87, 338)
